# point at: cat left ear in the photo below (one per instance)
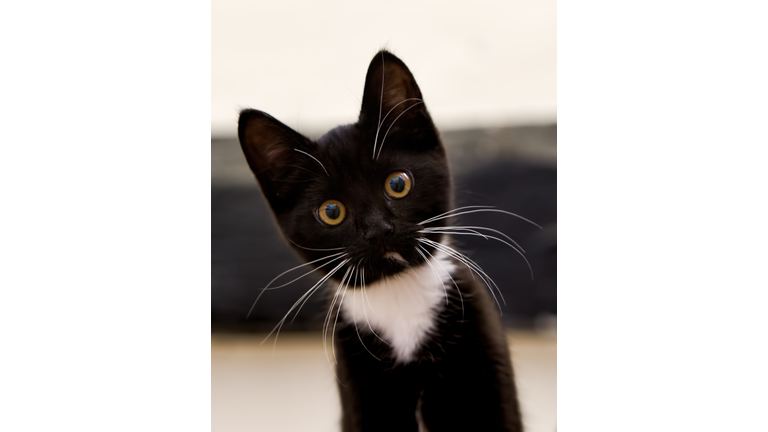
(390, 91)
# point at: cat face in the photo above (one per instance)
(361, 190)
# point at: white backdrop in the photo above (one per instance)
(481, 63)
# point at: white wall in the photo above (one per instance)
(479, 63)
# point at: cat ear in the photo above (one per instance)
(270, 148)
(267, 143)
(390, 91)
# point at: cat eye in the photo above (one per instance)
(398, 184)
(332, 212)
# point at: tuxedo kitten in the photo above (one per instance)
(415, 335)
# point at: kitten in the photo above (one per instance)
(416, 337)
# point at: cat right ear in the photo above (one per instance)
(267, 143)
(270, 148)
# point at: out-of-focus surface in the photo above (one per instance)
(293, 388)
(485, 63)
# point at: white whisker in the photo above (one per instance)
(305, 296)
(494, 210)
(336, 255)
(458, 255)
(333, 333)
(326, 325)
(381, 105)
(469, 264)
(315, 159)
(471, 228)
(317, 287)
(327, 321)
(451, 211)
(461, 298)
(267, 288)
(306, 248)
(437, 275)
(354, 319)
(381, 123)
(362, 284)
(393, 123)
(476, 234)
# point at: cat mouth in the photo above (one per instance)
(395, 256)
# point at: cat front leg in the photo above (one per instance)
(376, 395)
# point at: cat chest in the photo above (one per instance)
(402, 310)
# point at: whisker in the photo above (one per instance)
(321, 250)
(381, 105)
(333, 333)
(315, 159)
(362, 284)
(461, 298)
(301, 168)
(317, 287)
(302, 300)
(303, 265)
(471, 228)
(327, 324)
(494, 210)
(306, 295)
(439, 279)
(327, 321)
(475, 234)
(354, 319)
(393, 123)
(480, 272)
(451, 211)
(267, 288)
(381, 123)
(469, 264)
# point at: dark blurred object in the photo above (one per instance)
(511, 168)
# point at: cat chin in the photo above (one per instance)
(391, 264)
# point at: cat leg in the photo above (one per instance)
(478, 396)
(382, 409)
(376, 395)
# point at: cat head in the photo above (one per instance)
(361, 190)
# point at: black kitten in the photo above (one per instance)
(417, 338)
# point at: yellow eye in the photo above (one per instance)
(398, 185)
(332, 212)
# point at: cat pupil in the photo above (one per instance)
(332, 211)
(397, 184)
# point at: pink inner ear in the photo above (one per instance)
(267, 143)
(393, 96)
(272, 152)
(390, 88)
(275, 153)
(400, 91)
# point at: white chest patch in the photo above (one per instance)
(402, 310)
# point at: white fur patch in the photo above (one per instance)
(402, 309)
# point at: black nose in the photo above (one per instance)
(378, 232)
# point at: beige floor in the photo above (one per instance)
(293, 388)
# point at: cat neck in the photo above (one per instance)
(402, 309)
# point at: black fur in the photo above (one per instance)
(462, 378)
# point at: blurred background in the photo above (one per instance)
(487, 71)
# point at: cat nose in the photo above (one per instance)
(378, 232)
